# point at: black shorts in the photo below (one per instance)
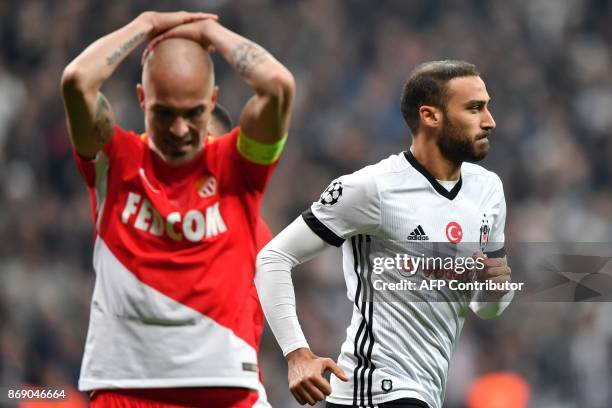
(401, 403)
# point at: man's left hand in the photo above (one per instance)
(194, 31)
(495, 270)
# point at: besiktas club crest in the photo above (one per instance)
(484, 233)
(386, 385)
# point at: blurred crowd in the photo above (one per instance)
(548, 68)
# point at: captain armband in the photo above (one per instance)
(257, 152)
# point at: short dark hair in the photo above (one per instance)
(222, 116)
(426, 85)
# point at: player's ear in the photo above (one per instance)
(215, 95)
(141, 96)
(430, 116)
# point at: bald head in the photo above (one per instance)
(177, 95)
(178, 59)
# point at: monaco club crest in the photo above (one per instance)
(207, 186)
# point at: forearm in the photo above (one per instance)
(259, 69)
(487, 306)
(277, 296)
(294, 245)
(90, 117)
(88, 71)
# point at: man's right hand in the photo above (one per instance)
(162, 22)
(306, 381)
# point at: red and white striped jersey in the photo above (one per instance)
(174, 304)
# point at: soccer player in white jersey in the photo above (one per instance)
(399, 343)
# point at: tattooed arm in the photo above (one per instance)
(90, 117)
(265, 117)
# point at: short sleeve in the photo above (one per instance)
(95, 171)
(496, 241)
(88, 168)
(256, 175)
(350, 205)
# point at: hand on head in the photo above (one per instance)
(162, 22)
(189, 27)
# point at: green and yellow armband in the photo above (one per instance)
(257, 152)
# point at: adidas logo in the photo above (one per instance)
(418, 235)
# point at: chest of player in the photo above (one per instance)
(198, 209)
(422, 216)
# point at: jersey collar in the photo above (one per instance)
(432, 180)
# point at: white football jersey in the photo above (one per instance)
(400, 342)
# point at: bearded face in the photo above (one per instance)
(459, 144)
(467, 121)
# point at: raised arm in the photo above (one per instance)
(90, 117)
(265, 117)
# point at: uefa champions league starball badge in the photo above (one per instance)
(332, 193)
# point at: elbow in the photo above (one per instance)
(72, 78)
(282, 88)
(286, 84)
(261, 256)
(264, 257)
(271, 260)
(288, 88)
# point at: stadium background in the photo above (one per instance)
(548, 67)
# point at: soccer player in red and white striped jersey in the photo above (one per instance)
(175, 213)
